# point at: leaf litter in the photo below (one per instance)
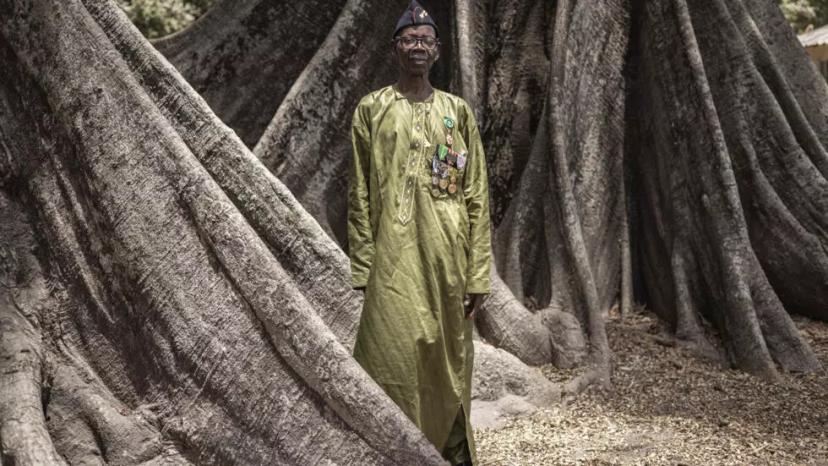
(667, 406)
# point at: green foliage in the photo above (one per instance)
(805, 14)
(156, 18)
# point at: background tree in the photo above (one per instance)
(805, 14)
(156, 18)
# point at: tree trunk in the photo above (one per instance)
(243, 56)
(733, 195)
(182, 281)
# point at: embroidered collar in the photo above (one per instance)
(398, 95)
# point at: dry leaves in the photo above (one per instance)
(667, 406)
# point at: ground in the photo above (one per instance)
(667, 406)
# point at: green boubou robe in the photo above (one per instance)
(417, 248)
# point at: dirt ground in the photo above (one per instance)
(670, 407)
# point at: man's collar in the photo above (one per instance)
(398, 95)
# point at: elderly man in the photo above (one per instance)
(419, 240)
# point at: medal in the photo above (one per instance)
(461, 160)
(451, 158)
(444, 170)
(452, 188)
(443, 183)
(449, 139)
(435, 180)
(442, 151)
(448, 121)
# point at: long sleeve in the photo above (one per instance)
(360, 233)
(476, 194)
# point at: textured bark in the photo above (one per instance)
(733, 194)
(559, 240)
(244, 56)
(187, 281)
(24, 437)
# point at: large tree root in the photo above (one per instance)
(48, 413)
(716, 213)
(536, 338)
(503, 387)
(317, 265)
(24, 437)
(177, 301)
(592, 376)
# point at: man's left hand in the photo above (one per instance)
(472, 303)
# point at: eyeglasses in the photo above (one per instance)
(409, 42)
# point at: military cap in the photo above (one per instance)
(415, 15)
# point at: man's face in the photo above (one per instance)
(415, 56)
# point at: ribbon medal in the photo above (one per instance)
(461, 160)
(449, 126)
(447, 162)
(442, 152)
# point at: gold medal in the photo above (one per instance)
(443, 183)
(452, 188)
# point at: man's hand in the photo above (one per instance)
(472, 303)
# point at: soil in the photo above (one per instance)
(668, 406)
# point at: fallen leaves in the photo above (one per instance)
(667, 406)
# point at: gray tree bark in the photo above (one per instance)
(160, 286)
(244, 56)
(730, 156)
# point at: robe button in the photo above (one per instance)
(415, 145)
